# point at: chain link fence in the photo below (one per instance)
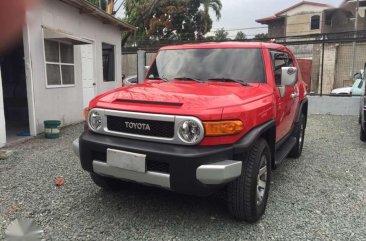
(328, 61)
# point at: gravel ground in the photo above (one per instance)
(321, 196)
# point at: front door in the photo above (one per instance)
(87, 66)
(289, 95)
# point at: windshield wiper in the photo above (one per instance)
(188, 78)
(242, 82)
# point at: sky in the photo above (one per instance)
(241, 14)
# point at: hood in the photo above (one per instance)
(181, 97)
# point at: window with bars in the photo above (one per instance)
(60, 66)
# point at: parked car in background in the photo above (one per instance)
(355, 90)
(129, 80)
(362, 118)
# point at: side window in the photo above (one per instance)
(315, 22)
(279, 60)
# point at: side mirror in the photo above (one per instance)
(289, 76)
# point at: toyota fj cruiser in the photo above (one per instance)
(208, 116)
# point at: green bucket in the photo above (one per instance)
(52, 129)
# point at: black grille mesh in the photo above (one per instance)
(156, 166)
(157, 128)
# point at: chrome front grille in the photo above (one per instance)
(135, 126)
(161, 128)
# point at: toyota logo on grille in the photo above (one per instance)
(137, 126)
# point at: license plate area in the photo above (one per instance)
(126, 160)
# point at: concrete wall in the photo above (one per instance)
(66, 104)
(276, 28)
(301, 24)
(337, 65)
(330, 54)
(328, 105)
(2, 117)
(344, 63)
(129, 63)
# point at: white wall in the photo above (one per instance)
(2, 117)
(65, 104)
(329, 105)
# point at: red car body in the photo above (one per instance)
(271, 114)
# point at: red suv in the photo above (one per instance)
(208, 117)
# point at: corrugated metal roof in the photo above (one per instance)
(86, 7)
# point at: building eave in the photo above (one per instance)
(86, 7)
(267, 20)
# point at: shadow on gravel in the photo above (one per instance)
(149, 203)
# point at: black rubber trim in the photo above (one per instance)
(252, 135)
(302, 106)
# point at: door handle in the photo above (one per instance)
(294, 95)
(94, 84)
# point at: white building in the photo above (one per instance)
(70, 51)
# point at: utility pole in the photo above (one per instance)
(354, 42)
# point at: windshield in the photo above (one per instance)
(209, 64)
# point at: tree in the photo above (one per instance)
(163, 19)
(221, 35)
(261, 36)
(206, 20)
(240, 36)
(137, 12)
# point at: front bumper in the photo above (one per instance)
(185, 169)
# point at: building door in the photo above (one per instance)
(288, 102)
(14, 94)
(87, 72)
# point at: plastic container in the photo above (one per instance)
(52, 129)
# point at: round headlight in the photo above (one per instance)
(95, 120)
(189, 131)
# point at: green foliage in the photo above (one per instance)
(206, 20)
(170, 19)
(221, 35)
(240, 36)
(261, 36)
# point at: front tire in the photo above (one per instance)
(247, 195)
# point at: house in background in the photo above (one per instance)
(70, 51)
(343, 19)
(300, 19)
(307, 18)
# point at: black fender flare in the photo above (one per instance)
(302, 109)
(254, 134)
